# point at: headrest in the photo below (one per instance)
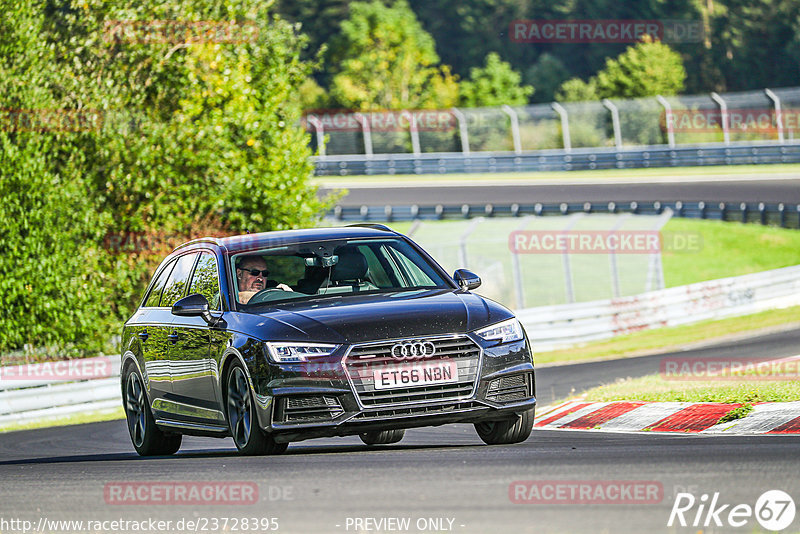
(352, 265)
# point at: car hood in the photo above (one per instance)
(355, 319)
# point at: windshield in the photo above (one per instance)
(324, 269)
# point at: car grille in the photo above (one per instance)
(362, 359)
(411, 411)
(510, 388)
(308, 409)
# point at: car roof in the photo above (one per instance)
(241, 243)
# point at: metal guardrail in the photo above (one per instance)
(43, 391)
(744, 153)
(564, 325)
(549, 327)
(776, 214)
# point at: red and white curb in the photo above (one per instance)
(637, 416)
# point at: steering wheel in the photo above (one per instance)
(262, 296)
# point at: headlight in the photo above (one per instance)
(299, 352)
(503, 332)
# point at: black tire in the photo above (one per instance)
(242, 420)
(147, 438)
(506, 431)
(382, 437)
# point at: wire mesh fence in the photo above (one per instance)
(769, 115)
(536, 261)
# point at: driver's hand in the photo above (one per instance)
(284, 287)
(245, 296)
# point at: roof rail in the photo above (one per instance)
(375, 226)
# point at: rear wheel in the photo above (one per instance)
(382, 437)
(146, 437)
(249, 438)
(506, 431)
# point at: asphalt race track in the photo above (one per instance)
(438, 473)
(751, 190)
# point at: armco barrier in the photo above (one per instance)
(549, 327)
(775, 214)
(564, 325)
(746, 153)
(45, 393)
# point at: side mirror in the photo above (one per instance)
(195, 305)
(466, 279)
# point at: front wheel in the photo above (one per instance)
(249, 438)
(146, 437)
(382, 437)
(506, 431)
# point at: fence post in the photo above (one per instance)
(612, 256)
(723, 109)
(412, 128)
(366, 133)
(514, 128)
(776, 102)
(570, 290)
(564, 125)
(614, 122)
(668, 119)
(320, 133)
(516, 268)
(655, 269)
(462, 129)
(462, 243)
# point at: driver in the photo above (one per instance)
(251, 276)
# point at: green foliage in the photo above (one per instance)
(494, 84)
(547, 74)
(576, 90)
(645, 69)
(383, 59)
(196, 139)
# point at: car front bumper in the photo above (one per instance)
(299, 402)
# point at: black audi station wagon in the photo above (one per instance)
(284, 336)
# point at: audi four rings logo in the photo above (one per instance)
(411, 350)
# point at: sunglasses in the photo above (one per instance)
(256, 272)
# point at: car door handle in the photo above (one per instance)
(173, 337)
(143, 336)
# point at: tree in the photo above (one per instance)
(645, 69)
(494, 85)
(547, 74)
(576, 90)
(383, 59)
(198, 138)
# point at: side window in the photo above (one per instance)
(417, 275)
(178, 280)
(377, 273)
(206, 280)
(155, 294)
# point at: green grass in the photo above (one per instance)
(736, 413)
(728, 249)
(671, 338)
(76, 419)
(599, 175)
(655, 388)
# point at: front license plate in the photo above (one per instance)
(415, 374)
